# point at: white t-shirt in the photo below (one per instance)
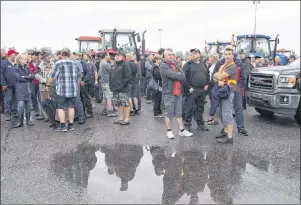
(211, 69)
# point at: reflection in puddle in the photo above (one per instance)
(127, 173)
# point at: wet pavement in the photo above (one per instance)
(104, 163)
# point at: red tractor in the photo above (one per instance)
(113, 40)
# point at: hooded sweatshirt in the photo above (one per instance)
(120, 77)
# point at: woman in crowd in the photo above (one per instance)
(23, 89)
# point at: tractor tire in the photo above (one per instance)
(264, 112)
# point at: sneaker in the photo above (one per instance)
(243, 131)
(170, 135)
(221, 135)
(226, 140)
(104, 111)
(89, 115)
(125, 122)
(185, 133)
(70, 127)
(93, 106)
(132, 113)
(136, 112)
(149, 102)
(202, 127)
(112, 114)
(7, 118)
(61, 129)
(158, 116)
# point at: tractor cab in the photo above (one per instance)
(284, 55)
(258, 45)
(217, 47)
(88, 43)
(115, 40)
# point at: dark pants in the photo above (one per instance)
(34, 97)
(238, 107)
(85, 98)
(195, 106)
(79, 110)
(149, 92)
(157, 103)
(10, 102)
(139, 96)
(24, 105)
(98, 93)
(143, 85)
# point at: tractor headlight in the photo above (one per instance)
(287, 81)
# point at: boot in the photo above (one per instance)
(19, 123)
(28, 121)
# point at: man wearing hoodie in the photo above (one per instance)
(120, 77)
(172, 77)
(8, 82)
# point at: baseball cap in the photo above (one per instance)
(195, 50)
(66, 50)
(242, 51)
(11, 51)
(252, 55)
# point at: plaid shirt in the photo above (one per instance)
(66, 73)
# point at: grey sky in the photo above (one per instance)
(185, 24)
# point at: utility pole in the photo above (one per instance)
(256, 3)
(160, 30)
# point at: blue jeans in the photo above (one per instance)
(238, 107)
(24, 105)
(10, 101)
(34, 97)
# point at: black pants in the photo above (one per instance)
(98, 92)
(157, 103)
(195, 106)
(85, 98)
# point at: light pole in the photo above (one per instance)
(160, 30)
(256, 3)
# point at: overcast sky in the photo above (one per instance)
(185, 24)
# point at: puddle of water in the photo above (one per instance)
(131, 174)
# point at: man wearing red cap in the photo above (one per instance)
(8, 81)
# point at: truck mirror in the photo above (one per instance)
(138, 38)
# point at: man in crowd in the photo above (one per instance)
(225, 75)
(133, 86)
(149, 75)
(42, 74)
(253, 61)
(197, 75)
(120, 77)
(291, 59)
(213, 58)
(98, 88)
(58, 56)
(172, 77)
(66, 76)
(278, 61)
(35, 83)
(8, 82)
(104, 72)
(143, 76)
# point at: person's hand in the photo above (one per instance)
(4, 88)
(206, 87)
(82, 83)
(220, 83)
(47, 89)
(191, 90)
(96, 83)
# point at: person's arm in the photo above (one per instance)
(19, 77)
(207, 77)
(127, 74)
(39, 77)
(53, 75)
(166, 71)
(3, 68)
(95, 74)
(186, 71)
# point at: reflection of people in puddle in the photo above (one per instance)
(158, 154)
(172, 181)
(124, 160)
(225, 167)
(75, 167)
(195, 174)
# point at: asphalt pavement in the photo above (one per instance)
(101, 162)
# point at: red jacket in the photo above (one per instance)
(33, 70)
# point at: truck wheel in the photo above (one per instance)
(264, 112)
(298, 115)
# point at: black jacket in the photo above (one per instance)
(8, 77)
(143, 69)
(134, 72)
(194, 77)
(120, 77)
(157, 75)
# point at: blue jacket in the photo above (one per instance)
(24, 79)
(218, 93)
(8, 77)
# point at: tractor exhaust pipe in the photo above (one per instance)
(143, 43)
(275, 48)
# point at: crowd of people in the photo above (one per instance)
(65, 89)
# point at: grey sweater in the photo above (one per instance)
(105, 69)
